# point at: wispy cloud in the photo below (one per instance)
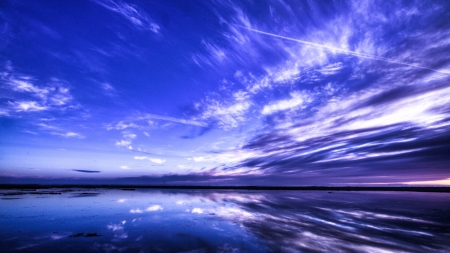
(129, 136)
(296, 101)
(353, 133)
(148, 121)
(228, 114)
(49, 127)
(27, 106)
(54, 94)
(333, 100)
(25, 85)
(198, 158)
(340, 50)
(137, 17)
(152, 208)
(121, 125)
(123, 143)
(54, 128)
(29, 132)
(69, 135)
(4, 112)
(108, 89)
(155, 160)
(127, 141)
(309, 62)
(176, 120)
(28, 94)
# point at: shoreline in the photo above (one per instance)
(31, 187)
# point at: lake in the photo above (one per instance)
(171, 220)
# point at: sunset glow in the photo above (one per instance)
(431, 182)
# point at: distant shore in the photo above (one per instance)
(210, 187)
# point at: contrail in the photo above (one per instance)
(362, 55)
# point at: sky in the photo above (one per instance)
(225, 92)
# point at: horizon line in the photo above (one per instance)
(409, 188)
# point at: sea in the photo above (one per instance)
(208, 220)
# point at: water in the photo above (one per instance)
(99, 220)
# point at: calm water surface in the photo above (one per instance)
(100, 220)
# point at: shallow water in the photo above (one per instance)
(149, 220)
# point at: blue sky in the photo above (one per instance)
(225, 92)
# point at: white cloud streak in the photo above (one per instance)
(297, 100)
(123, 143)
(227, 114)
(154, 208)
(54, 95)
(129, 136)
(137, 17)
(26, 86)
(199, 159)
(176, 120)
(27, 106)
(154, 160)
(69, 135)
(121, 125)
(335, 49)
(108, 89)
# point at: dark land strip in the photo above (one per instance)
(31, 187)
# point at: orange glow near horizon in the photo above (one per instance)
(431, 182)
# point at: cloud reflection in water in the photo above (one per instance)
(228, 221)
